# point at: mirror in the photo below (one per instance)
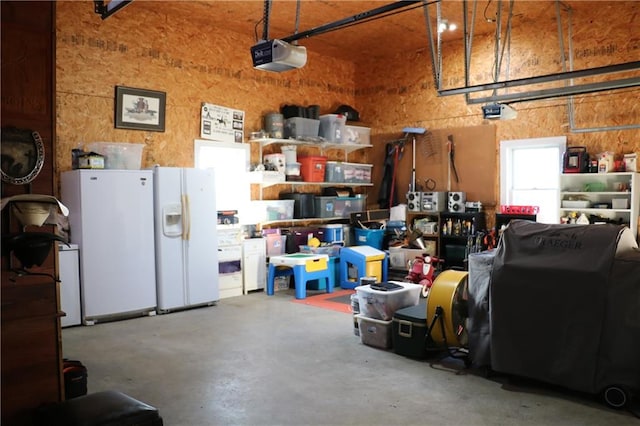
(22, 155)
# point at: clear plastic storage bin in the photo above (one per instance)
(268, 210)
(344, 206)
(357, 134)
(325, 206)
(332, 127)
(119, 155)
(334, 172)
(357, 172)
(375, 332)
(298, 127)
(383, 304)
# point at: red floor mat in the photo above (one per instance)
(339, 300)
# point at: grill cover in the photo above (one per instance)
(620, 342)
(549, 296)
(480, 267)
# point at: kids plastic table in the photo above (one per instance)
(304, 267)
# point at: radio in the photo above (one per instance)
(433, 201)
(473, 206)
(426, 227)
(456, 202)
(413, 201)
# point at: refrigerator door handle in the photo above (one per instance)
(186, 217)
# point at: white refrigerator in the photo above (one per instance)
(111, 220)
(185, 236)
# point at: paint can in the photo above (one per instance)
(274, 125)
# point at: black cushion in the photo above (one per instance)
(107, 408)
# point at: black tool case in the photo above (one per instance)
(409, 331)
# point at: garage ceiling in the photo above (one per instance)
(380, 38)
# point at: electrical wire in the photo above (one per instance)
(255, 29)
(485, 12)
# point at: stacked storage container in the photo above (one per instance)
(312, 168)
(377, 308)
(343, 172)
(332, 127)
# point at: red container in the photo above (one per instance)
(312, 168)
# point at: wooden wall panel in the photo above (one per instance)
(404, 94)
(191, 64)
(30, 326)
(28, 81)
(167, 53)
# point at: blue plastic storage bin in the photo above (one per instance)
(370, 237)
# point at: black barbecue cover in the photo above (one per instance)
(549, 296)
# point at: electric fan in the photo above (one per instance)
(447, 309)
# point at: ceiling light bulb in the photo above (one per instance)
(452, 27)
(442, 26)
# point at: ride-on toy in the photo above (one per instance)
(423, 270)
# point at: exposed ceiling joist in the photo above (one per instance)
(352, 20)
(629, 66)
(577, 89)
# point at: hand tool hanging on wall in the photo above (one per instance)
(387, 196)
(413, 131)
(452, 164)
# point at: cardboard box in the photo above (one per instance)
(90, 160)
(630, 162)
(399, 256)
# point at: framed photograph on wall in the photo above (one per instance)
(139, 109)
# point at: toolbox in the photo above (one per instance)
(409, 331)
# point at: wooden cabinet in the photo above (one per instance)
(31, 359)
(31, 347)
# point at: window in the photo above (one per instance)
(229, 162)
(530, 174)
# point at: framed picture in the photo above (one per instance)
(139, 109)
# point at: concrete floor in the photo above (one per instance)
(260, 360)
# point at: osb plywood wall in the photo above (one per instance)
(405, 94)
(154, 50)
(158, 51)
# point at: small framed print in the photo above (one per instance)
(139, 109)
